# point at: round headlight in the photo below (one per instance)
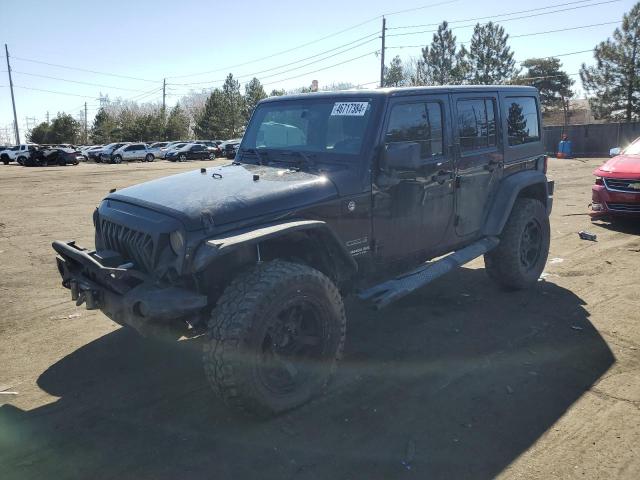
(176, 240)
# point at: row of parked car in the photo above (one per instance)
(33, 155)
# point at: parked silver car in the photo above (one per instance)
(131, 152)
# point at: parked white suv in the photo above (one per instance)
(132, 151)
(19, 153)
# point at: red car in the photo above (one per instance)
(617, 188)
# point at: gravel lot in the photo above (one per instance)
(459, 380)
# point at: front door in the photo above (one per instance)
(413, 207)
(479, 158)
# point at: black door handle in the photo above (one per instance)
(442, 176)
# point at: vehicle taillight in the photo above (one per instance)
(545, 163)
(599, 181)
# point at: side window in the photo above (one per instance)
(196, 148)
(522, 120)
(129, 148)
(476, 124)
(417, 123)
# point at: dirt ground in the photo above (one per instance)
(459, 380)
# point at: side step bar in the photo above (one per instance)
(384, 293)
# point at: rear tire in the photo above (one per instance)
(517, 262)
(274, 338)
(149, 157)
(6, 162)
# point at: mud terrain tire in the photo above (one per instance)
(517, 262)
(260, 355)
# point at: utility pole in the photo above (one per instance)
(13, 99)
(47, 117)
(85, 123)
(164, 97)
(384, 30)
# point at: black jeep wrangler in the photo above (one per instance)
(330, 194)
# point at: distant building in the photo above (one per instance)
(579, 114)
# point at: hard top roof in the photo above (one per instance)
(407, 91)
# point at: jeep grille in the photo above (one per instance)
(134, 246)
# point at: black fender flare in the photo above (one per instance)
(215, 247)
(508, 191)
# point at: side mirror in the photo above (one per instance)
(402, 156)
(615, 151)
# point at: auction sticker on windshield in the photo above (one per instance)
(350, 109)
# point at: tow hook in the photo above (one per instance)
(90, 297)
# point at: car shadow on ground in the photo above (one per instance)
(623, 225)
(455, 381)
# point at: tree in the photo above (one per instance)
(232, 121)
(177, 124)
(253, 93)
(64, 129)
(441, 62)
(39, 133)
(547, 76)
(614, 82)
(209, 122)
(103, 127)
(277, 93)
(394, 73)
(490, 58)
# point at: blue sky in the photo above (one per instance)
(144, 41)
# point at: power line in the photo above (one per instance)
(492, 16)
(291, 69)
(407, 10)
(83, 69)
(53, 91)
(510, 19)
(530, 34)
(322, 69)
(564, 29)
(75, 81)
(298, 47)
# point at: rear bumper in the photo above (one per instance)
(126, 296)
(608, 203)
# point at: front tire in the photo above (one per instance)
(182, 158)
(149, 157)
(517, 262)
(274, 338)
(117, 159)
(22, 160)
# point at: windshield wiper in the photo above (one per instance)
(304, 157)
(254, 151)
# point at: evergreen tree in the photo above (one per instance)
(547, 76)
(394, 73)
(232, 118)
(441, 62)
(103, 127)
(517, 124)
(209, 122)
(177, 126)
(490, 58)
(253, 93)
(614, 82)
(277, 93)
(39, 133)
(64, 129)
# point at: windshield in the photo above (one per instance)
(309, 125)
(634, 148)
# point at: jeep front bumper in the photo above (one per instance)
(126, 296)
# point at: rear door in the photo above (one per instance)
(479, 158)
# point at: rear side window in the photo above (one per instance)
(476, 124)
(417, 123)
(522, 120)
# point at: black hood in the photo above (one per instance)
(229, 193)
